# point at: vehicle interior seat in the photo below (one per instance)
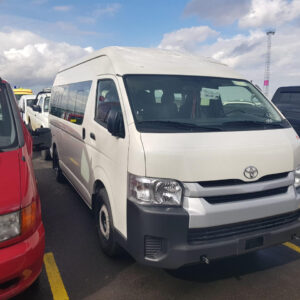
(168, 108)
(186, 109)
(214, 109)
(145, 105)
(105, 104)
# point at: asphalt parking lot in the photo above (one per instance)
(86, 273)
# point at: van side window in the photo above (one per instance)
(46, 104)
(107, 97)
(41, 101)
(69, 101)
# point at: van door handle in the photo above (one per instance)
(92, 135)
(83, 133)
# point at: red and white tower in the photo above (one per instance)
(268, 62)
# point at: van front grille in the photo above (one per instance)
(198, 235)
(228, 182)
(248, 196)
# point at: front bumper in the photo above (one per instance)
(21, 264)
(159, 237)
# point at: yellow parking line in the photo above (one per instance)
(57, 286)
(292, 246)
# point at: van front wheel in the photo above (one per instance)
(58, 172)
(105, 226)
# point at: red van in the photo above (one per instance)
(22, 234)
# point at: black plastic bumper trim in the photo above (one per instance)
(172, 226)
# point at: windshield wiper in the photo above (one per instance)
(250, 123)
(180, 125)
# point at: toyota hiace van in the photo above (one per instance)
(181, 158)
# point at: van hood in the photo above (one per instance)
(10, 198)
(191, 157)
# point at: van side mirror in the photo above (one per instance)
(41, 138)
(115, 123)
(37, 108)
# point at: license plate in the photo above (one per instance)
(254, 243)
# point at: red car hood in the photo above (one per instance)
(10, 192)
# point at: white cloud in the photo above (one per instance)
(62, 8)
(29, 60)
(219, 11)
(248, 13)
(246, 54)
(270, 13)
(109, 9)
(187, 38)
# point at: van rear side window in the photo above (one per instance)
(69, 101)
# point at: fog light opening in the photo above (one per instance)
(295, 237)
(204, 259)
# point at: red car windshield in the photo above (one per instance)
(8, 134)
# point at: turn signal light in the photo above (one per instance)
(28, 216)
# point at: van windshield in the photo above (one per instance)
(171, 103)
(8, 136)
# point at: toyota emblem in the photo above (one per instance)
(250, 172)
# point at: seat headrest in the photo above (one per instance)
(167, 97)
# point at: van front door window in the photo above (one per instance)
(107, 98)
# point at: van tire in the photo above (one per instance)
(45, 154)
(105, 226)
(59, 176)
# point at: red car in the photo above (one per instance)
(22, 234)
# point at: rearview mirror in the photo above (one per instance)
(41, 138)
(115, 124)
(37, 108)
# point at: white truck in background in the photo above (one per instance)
(25, 102)
(37, 115)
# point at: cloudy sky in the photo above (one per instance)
(38, 37)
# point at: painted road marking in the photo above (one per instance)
(57, 286)
(292, 246)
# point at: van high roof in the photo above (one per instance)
(129, 60)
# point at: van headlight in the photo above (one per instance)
(297, 179)
(154, 191)
(9, 226)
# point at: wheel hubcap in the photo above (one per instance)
(104, 222)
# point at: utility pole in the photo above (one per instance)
(268, 62)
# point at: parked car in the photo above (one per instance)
(287, 99)
(171, 175)
(37, 114)
(22, 235)
(24, 102)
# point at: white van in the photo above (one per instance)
(181, 158)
